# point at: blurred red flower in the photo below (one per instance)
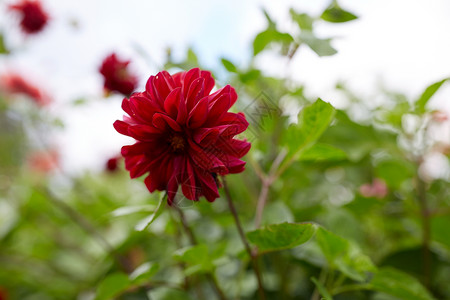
(34, 18)
(111, 164)
(3, 294)
(13, 83)
(44, 161)
(185, 135)
(116, 75)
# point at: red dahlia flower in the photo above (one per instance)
(116, 76)
(185, 135)
(16, 84)
(34, 18)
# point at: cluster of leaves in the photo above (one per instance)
(315, 235)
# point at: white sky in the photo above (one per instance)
(406, 43)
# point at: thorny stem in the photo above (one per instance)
(193, 240)
(266, 182)
(253, 255)
(425, 213)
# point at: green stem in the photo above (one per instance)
(193, 240)
(253, 255)
(426, 229)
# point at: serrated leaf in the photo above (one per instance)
(112, 286)
(282, 236)
(322, 47)
(322, 152)
(427, 94)
(399, 284)
(312, 122)
(144, 223)
(335, 14)
(322, 290)
(143, 272)
(229, 65)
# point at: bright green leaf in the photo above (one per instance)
(304, 21)
(143, 224)
(271, 35)
(335, 14)
(427, 94)
(282, 236)
(399, 284)
(229, 65)
(112, 286)
(322, 290)
(143, 272)
(312, 122)
(322, 47)
(323, 152)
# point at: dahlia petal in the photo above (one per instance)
(140, 168)
(164, 84)
(233, 147)
(236, 119)
(152, 91)
(209, 81)
(177, 78)
(131, 161)
(207, 159)
(188, 182)
(121, 127)
(218, 108)
(161, 121)
(172, 102)
(126, 106)
(207, 136)
(142, 108)
(209, 186)
(195, 93)
(182, 111)
(198, 114)
(187, 78)
(144, 133)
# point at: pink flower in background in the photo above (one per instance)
(377, 189)
(116, 75)
(44, 161)
(14, 83)
(184, 135)
(33, 16)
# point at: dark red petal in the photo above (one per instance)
(198, 114)
(126, 106)
(164, 84)
(233, 147)
(173, 102)
(161, 121)
(188, 186)
(206, 159)
(142, 108)
(217, 109)
(208, 184)
(121, 127)
(182, 111)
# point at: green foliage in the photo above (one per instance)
(335, 14)
(282, 236)
(399, 284)
(422, 101)
(112, 286)
(3, 48)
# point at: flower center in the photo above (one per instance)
(177, 142)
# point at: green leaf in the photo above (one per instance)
(322, 47)
(196, 257)
(142, 273)
(322, 290)
(271, 35)
(191, 57)
(312, 122)
(332, 246)
(399, 284)
(229, 65)
(3, 49)
(322, 152)
(427, 94)
(439, 230)
(304, 21)
(282, 236)
(335, 14)
(143, 224)
(112, 286)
